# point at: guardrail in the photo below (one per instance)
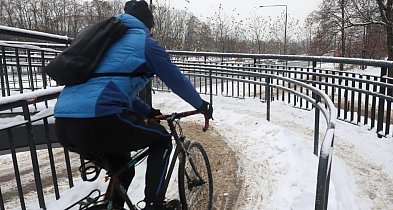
(232, 75)
(35, 110)
(361, 99)
(228, 78)
(320, 102)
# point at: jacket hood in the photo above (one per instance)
(132, 22)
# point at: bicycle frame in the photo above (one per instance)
(179, 139)
(179, 150)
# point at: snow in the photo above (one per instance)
(7, 28)
(31, 95)
(326, 59)
(275, 158)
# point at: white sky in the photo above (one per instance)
(245, 8)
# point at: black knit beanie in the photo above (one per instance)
(140, 10)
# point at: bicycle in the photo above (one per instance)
(195, 179)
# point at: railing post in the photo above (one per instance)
(44, 81)
(34, 158)
(211, 86)
(314, 70)
(2, 74)
(388, 105)
(68, 167)
(323, 181)
(373, 105)
(16, 169)
(1, 200)
(19, 70)
(255, 78)
(316, 123)
(366, 102)
(267, 98)
(51, 158)
(30, 71)
(317, 99)
(313, 78)
(205, 78)
(5, 72)
(381, 102)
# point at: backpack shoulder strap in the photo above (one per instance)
(138, 72)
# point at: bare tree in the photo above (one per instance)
(386, 12)
(162, 16)
(350, 28)
(257, 31)
(221, 29)
(5, 12)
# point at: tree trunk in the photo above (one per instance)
(385, 9)
(342, 33)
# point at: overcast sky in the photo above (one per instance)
(246, 8)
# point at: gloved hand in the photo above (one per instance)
(153, 112)
(206, 109)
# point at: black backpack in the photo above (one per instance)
(76, 63)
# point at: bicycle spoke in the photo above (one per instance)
(196, 179)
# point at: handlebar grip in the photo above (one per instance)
(160, 117)
(181, 115)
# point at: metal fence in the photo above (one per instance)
(230, 80)
(264, 77)
(31, 133)
(360, 99)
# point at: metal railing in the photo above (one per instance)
(360, 99)
(320, 102)
(233, 75)
(264, 83)
(39, 135)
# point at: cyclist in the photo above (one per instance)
(105, 116)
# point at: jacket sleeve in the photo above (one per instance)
(158, 61)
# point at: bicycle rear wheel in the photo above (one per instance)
(195, 179)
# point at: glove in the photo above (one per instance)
(153, 112)
(206, 109)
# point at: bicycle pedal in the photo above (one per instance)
(172, 204)
(87, 201)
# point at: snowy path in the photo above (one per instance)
(366, 159)
(9, 190)
(278, 166)
(374, 184)
(275, 160)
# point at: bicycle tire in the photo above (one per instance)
(194, 191)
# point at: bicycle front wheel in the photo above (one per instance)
(195, 179)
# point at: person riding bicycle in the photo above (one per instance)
(105, 116)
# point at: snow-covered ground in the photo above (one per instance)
(277, 162)
(276, 158)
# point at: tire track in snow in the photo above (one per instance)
(373, 184)
(9, 187)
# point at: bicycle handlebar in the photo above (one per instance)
(173, 116)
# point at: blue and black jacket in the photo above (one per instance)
(107, 95)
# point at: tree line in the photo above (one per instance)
(175, 29)
(353, 28)
(349, 28)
